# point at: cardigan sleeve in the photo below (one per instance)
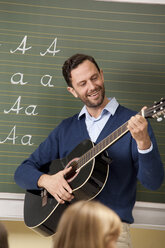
(150, 167)
(28, 173)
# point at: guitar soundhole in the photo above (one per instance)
(74, 172)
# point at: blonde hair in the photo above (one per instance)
(87, 224)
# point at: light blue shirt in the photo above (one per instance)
(95, 125)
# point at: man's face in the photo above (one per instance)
(88, 84)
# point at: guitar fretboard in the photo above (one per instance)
(102, 145)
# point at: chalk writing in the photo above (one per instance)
(23, 47)
(23, 44)
(54, 51)
(49, 81)
(16, 108)
(25, 140)
(19, 80)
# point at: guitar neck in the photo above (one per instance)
(103, 145)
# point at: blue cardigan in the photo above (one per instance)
(127, 167)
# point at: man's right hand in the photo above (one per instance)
(57, 186)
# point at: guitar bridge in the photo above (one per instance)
(44, 197)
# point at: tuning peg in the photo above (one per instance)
(159, 119)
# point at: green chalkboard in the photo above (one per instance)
(127, 40)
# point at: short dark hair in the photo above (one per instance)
(72, 63)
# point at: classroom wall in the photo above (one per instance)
(21, 236)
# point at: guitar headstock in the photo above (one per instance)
(156, 110)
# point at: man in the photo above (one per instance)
(134, 156)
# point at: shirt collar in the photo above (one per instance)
(111, 107)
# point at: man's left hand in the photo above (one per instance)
(138, 127)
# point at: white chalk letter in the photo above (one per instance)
(54, 51)
(28, 137)
(19, 80)
(22, 47)
(17, 109)
(12, 134)
(47, 83)
(32, 112)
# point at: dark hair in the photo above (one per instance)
(72, 63)
(3, 236)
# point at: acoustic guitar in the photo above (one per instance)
(90, 170)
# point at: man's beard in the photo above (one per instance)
(92, 104)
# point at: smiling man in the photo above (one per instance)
(88, 85)
(135, 155)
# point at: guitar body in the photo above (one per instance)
(86, 185)
(42, 212)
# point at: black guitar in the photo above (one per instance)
(90, 169)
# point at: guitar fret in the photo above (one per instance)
(86, 156)
(96, 149)
(90, 154)
(115, 134)
(122, 129)
(104, 143)
(99, 145)
(119, 131)
(111, 137)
